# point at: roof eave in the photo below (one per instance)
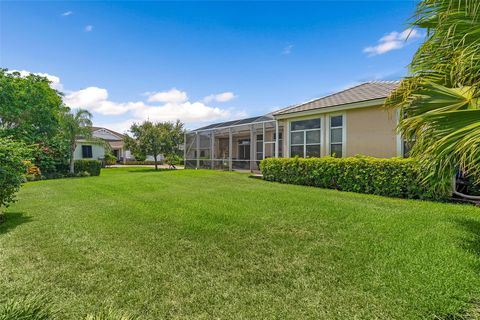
(232, 126)
(353, 105)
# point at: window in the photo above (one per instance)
(259, 155)
(87, 152)
(336, 136)
(305, 124)
(244, 149)
(280, 143)
(305, 138)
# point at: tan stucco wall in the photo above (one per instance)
(371, 132)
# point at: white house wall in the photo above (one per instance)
(98, 151)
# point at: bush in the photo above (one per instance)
(52, 159)
(33, 169)
(147, 162)
(395, 177)
(93, 167)
(110, 159)
(173, 160)
(14, 162)
(83, 174)
(139, 156)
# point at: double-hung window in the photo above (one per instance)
(259, 146)
(280, 143)
(336, 136)
(87, 152)
(305, 138)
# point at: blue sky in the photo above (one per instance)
(203, 61)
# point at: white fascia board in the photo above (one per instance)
(354, 105)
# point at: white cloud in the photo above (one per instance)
(96, 99)
(67, 13)
(287, 49)
(392, 41)
(88, 28)
(55, 81)
(220, 97)
(173, 105)
(171, 96)
(160, 106)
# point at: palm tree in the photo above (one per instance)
(439, 100)
(76, 124)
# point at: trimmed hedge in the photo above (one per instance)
(394, 177)
(93, 167)
(143, 163)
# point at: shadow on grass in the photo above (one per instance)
(472, 242)
(140, 170)
(13, 220)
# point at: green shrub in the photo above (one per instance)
(395, 177)
(110, 159)
(14, 162)
(83, 174)
(139, 156)
(173, 160)
(93, 167)
(146, 162)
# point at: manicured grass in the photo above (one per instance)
(206, 244)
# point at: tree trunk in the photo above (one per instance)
(155, 159)
(72, 162)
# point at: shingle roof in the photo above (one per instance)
(114, 132)
(363, 92)
(266, 117)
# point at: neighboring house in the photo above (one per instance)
(89, 150)
(96, 150)
(343, 124)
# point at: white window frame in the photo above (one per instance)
(328, 132)
(256, 147)
(399, 135)
(305, 144)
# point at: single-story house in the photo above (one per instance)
(96, 149)
(342, 124)
(91, 150)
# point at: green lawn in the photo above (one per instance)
(206, 244)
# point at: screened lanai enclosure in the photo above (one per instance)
(234, 145)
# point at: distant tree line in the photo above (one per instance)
(39, 133)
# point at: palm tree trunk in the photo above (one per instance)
(72, 162)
